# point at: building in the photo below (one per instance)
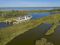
(22, 19)
(18, 20)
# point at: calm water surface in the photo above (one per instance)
(26, 8)
(3, 24)
(39, 15)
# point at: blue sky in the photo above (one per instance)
(29, 3)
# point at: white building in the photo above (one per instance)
(22, 19)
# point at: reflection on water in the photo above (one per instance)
(29, 37)
(40, 15)
(3, 25)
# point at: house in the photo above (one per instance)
(22, 19)
(18, 20)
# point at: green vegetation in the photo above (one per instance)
(43, 41)
(4, 15)
(55, 10)
(7, 34)
(11, 14)
(54, 20)
(52, 30)
(39, 11)
(2, 19)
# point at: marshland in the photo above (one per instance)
(41, 29)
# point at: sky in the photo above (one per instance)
(29, 3)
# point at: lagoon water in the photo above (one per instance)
(26, 8)
(40, 15)
(3, 25)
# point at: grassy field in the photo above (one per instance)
(43, 41)
(8, 33)
(2, 19)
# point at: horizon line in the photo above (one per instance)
(18, 7)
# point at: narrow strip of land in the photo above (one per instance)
(55, 37)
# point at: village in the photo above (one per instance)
(18, 20)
